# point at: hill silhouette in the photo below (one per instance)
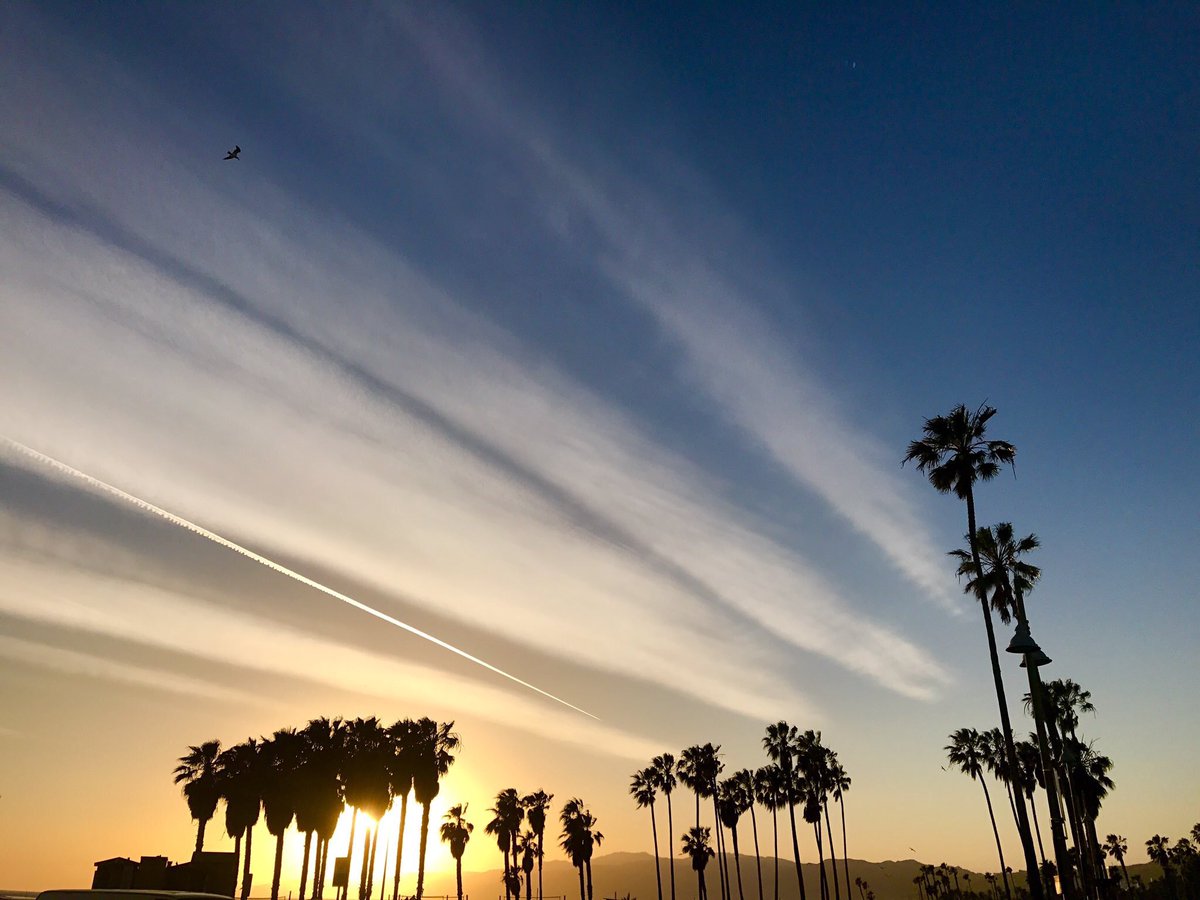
(618, 874)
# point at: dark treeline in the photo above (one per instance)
(801, 772)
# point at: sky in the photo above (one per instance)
(586, 339)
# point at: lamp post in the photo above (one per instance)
(1033, 658)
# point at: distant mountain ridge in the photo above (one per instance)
(620, 874)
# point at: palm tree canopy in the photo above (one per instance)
(1007, 578)
(240, 782)
(198, 771)
(954, 453)
(663, 767)
(365, 773)
(780, 743)
(967, 751)
(1116, 846)
(536, 805)
(696, 846)
(281, 755)
(770, 787)
(641, 787)
(456, 830)
(435, 745)
(579, 836)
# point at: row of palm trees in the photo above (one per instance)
(1180, 862)
(309, 776)
(955, 453)
(802, 772)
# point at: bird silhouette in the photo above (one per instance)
(233, 154)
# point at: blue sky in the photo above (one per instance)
(590, 339)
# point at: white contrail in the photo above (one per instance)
(270, 564)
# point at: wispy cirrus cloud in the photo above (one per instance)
(287, 379)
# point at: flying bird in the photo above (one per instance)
(233, 154)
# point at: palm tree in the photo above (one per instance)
(688, 777)
(505, 824)
(641, 788)
(433, 755)
(456, 831)
(749, 788)
(281, 755)
(319, 799)
(197, 772)
(579, 838)
(996, 761)
(695, 845)
(732, 802)
(665, 780)
(240, 779)
(769, 791)
(954, 453)
(810, 762)
(840, 782)
(536, 805)
(1027, 779)
(966, 751)
(780, 744)
(367, 785)
(705, 768)
(400, 776)
(1116, 846)
(527, 848)
(1159, 850)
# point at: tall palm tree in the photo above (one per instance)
(841, 785)
(506, 824)
(732, 803)
(527, 849)
(954, 453)
(966, 751)
(433, 755)
(536, 805)
(995, 759)
(749, 788)
(456, 831)
(695, 846)
(665, 780)
(319, 790)
(241, 783)
(769, 791)
(579, 839)
(367, 785)
(810, 763)
(1027, 779)
(400, 775)
(641, 788)
(1116, 846)
(197, 772)
(780, 744)
(281, 754)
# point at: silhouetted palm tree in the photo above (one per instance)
(749, 789)
(732, 802)
(665, 780)
(579, 839)
(319, 790)
(197, 772)
(505, 825)
(1028, 777)
(966, 751)
(456, 831)
(281, 755)
(810, 763)
(400, 772)
(769, 790)
(1116, 846)
(841, 785)
(780, 744)
(527, 849)
(641, 788)
(433, 755)
(240, 779)
(367, 784)
(954, 453)
(536, 805)
(695, 846)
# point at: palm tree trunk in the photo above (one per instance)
(349, 851)
(237, 858)
(737, 864)
(507, 869)
(703, 886)
(657, 864)
(821, 859)
(845, 858)
(591, 894)
(1037, 828)
(670, 848)
(996, 832)
(278, 866)
(304, 865)
(796, 848)
(837, 891)
(457, 875)
(722, 862)
(1023, 830)
(400, 846)
(366, 863)
(319, 869)
(200, 835)
(421, 851)
(541, 855)
(582, 888)
(1124, 871)
(246, 864)
(775, 833)
(757, 858)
